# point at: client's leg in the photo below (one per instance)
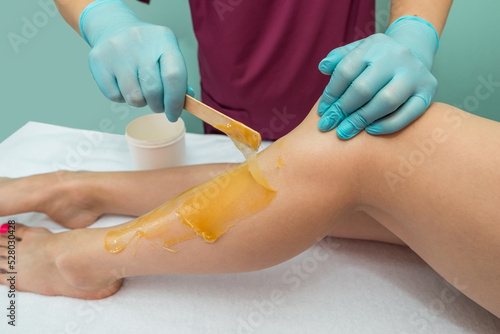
(419, 189)
(306, 206)
(437, 187)
(62, 195)
(77, 199)
(362, 226)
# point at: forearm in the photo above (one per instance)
(433, 11)
(71, 10)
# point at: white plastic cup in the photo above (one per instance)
(154, 142)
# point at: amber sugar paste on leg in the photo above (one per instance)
(207, 210)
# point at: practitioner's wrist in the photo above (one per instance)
(418, 35)
(102, 17)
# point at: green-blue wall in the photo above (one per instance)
(48, 79)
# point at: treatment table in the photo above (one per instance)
(337, 286)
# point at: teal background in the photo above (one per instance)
(48, 80)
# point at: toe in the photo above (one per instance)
(18, 230)
(6, 230)
(4, 241)
(3, 270)
(3, 252)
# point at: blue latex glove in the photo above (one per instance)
(381, 83)
(133, 61)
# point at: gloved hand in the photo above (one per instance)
(381, 83)
(133, 61)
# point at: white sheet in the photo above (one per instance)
(344, 286)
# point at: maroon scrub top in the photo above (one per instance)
(259, 58)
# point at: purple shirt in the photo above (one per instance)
(259, 58)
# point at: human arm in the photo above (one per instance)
(71, 11)
(131, 61)
(383, 83)
(434, 12)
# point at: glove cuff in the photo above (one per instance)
(418, 35)
(93, 5)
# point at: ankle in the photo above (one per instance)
(84, 270)
(76, 187)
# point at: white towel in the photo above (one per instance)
(337, 286)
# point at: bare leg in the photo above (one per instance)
(245, 247)
(77, 199)
(364, 227)
(64, 196)
(437, 188)
(325, 181)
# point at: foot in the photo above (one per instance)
(63, 196)
(47, 265)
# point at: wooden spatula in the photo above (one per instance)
(218, 120)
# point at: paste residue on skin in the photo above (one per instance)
(280, 163)
(207, 210)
